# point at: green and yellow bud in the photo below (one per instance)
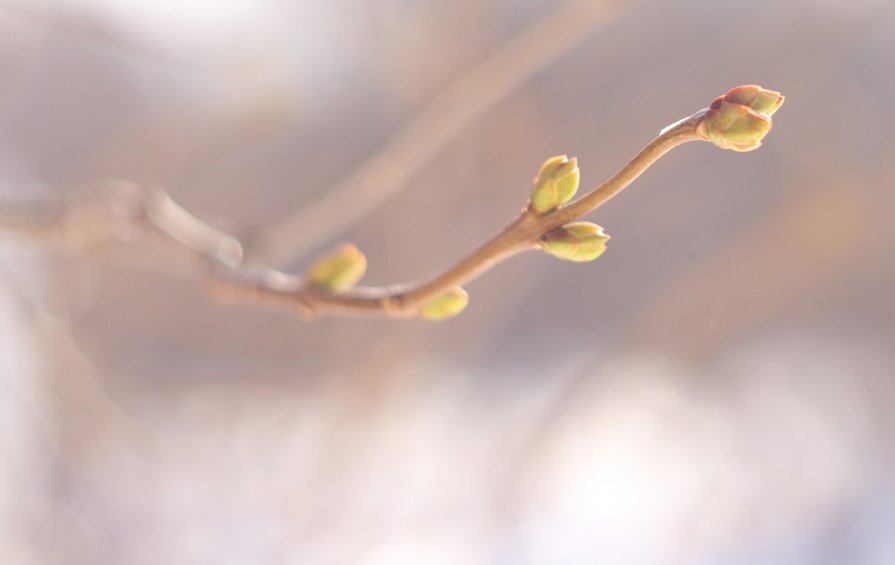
(740, 119)
(340, 270)
(556, 184)
(580, 241)
(446, 305)
(733, 126)
(756, 98)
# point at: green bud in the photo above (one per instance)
(340, 270)
(734, 126)
(740, 119)
(756, 98)
(446, 305)
(581, 241)
(556, 184)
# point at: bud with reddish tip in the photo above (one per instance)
(556, 184)
(740, 119)
(756, 98)
(580, 241)
(445, 305)
(340, 270)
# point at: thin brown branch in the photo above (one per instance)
(736, 120)
(272, 287)
(117, 211)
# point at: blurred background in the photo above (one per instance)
(719, 388)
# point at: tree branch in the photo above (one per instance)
(738, 120)
(523, 234)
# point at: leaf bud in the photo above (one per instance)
(339, 270)
(579, 241)
(556, 184)
(756, 98)
(446, 305)
(740, 119)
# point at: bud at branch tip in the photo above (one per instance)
(740, 119)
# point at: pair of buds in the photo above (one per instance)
(343, 268)
(738, 120)
(556, 184)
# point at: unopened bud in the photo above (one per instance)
(556, 184)
(740, 119)
(340, 270)
(445, 305)
(581, 241)
(756, 98)
(732, 126)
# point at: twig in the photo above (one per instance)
(118, 211)
(738, 120)
(525, 233)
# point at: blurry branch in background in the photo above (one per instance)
(118, 211)
(738, 120)
(448, 115)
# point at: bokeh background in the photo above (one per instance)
(719, 388)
